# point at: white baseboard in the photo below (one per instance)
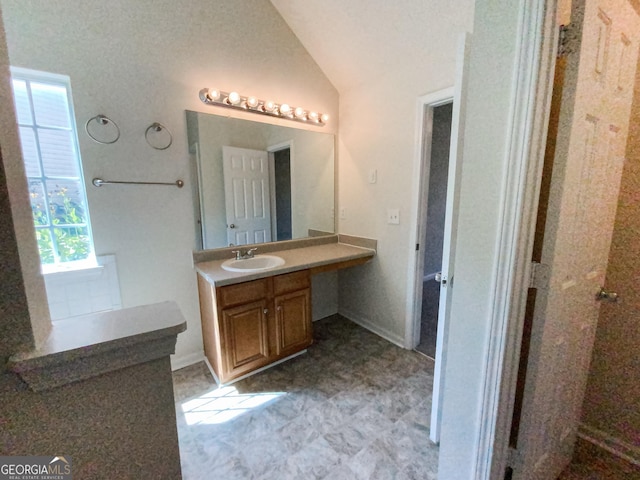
(185, 360)
(378, 330)
(611, 444)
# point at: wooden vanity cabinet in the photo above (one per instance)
(293, 312)
(249, 325)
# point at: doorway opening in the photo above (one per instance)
(436, 174)
(436, 212)
(281, 193)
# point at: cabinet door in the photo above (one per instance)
(246, 338)
(293, 322)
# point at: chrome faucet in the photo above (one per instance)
(242, 254)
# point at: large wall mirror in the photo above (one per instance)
(259, 182)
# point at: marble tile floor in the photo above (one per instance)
(354, 407)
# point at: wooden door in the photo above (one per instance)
(246, 338)
(593, 125)
(247, 195)
(293, 321)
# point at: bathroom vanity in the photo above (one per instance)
(251, 320)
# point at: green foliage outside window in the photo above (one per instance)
(68, 224)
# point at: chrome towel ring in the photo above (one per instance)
(102, 120)
(154, 133)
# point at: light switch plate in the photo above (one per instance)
(373, 175)
(393, 216)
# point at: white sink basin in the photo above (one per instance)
(255, 264)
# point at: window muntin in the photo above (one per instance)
(48, 135)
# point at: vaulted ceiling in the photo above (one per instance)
(355, 40)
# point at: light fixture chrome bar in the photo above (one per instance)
(98, 182)
(212, 96)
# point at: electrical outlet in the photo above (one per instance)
(393, 216)
(373, 175)
(343, 213)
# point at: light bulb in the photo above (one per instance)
(269, 106)
(313, 116)
(299, 112)
(234, 98)
(324, 118)
(252, 102)
(285, 109)
(213, 94)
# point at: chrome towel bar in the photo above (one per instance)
(98, 182)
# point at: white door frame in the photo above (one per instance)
(531, 80)
(536, 46)
(426, 105)
(422, 159)
(420, 186)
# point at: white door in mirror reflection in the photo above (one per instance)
(247, 197)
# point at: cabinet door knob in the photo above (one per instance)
(279, 308)
(266, 311)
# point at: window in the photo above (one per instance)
(51, 156)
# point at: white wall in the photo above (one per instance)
(378, 132)
(312, 179)
(144, 61)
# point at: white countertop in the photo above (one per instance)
(294, 259)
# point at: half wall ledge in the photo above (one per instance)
(90, 345)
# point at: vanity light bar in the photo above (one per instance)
(212, 96)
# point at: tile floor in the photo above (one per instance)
(353, 407)
(592, 463)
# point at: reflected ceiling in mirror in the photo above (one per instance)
(259, 182)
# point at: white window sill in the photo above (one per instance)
(80, 269)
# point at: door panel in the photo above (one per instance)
(449, 237)
(247, 195)
(583, 195)
(246, 338)
(293, 312)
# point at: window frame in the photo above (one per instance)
(61, 81)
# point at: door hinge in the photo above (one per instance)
(539, 275)
(512, 458)
(417, 247)
(562, 41)
(567, 40)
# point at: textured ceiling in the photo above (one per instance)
(354, 40)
